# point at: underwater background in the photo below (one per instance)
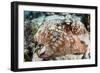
(33, 21)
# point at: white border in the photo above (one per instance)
(22, 64)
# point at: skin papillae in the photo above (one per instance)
(60, 41)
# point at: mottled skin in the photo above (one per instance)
(66, 43)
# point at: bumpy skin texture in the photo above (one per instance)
(60, 41)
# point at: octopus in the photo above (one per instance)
(61, 41)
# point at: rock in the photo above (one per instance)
(36, 58)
